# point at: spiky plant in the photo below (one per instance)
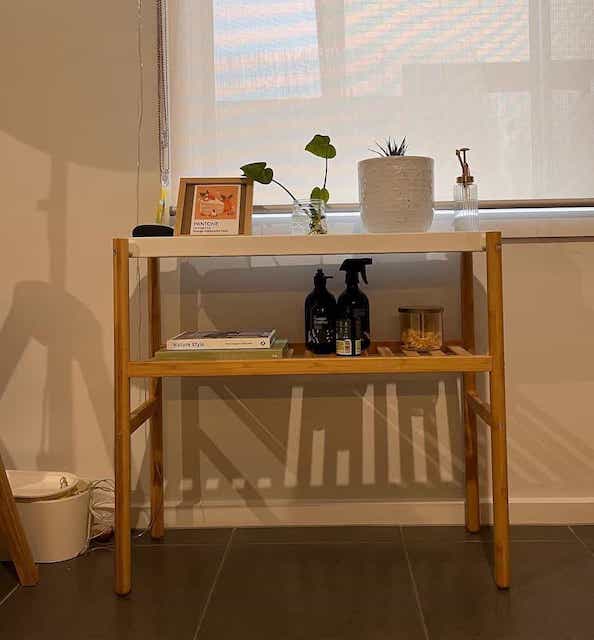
(390, 148)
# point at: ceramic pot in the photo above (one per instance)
(396, 194)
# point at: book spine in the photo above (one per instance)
(215, 343)
(206, 355)
(183, 345)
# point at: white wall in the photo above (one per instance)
(68, 166)
(68, 140)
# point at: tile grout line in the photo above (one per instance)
(414, 586)
(314, 542)
(214, 585)
(15, 588)
(168, 545)
(586, 547)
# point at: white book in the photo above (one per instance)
(198, 340)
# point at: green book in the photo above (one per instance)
(278, 350)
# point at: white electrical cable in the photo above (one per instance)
(101, 507)
(139, 105)
(102, 492)
(140, 120)
(102, 514)
(163, 88)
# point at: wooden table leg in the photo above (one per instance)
(497, 393)
(472, 505)
(156, 391)
(123, 551)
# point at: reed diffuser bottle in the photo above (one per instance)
(466, 211)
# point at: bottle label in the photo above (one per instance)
(321, 330)
(320, 322)
(347, 347)
(343, 347)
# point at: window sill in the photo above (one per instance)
(516, 225)
(531, 224)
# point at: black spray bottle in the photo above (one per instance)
(353, 307)
(320, 317)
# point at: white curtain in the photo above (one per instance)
(253, 80)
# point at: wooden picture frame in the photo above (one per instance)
(186, 199)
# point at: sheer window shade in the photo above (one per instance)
(513, 79)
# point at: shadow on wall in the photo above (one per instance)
(545, 456)
(315, 439)
(72, 96)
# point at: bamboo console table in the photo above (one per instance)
(457, 357)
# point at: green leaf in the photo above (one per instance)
(320, 146)
(258, 171)
(318, 193)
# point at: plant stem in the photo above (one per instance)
(285, 189)
(325, 174)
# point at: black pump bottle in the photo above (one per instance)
(353, 303)
(320, 317)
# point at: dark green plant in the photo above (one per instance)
(319, 146)
(259, 172)
(390, 148)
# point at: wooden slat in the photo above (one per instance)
(142, 413)
(479, 407)
(459, 351)
(385, 351)
(438, 352)
(409, 353)
(331, 244)
(309, 365)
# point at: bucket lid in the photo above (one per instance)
(36, 485)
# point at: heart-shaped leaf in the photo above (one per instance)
(258, 171)
(318, 193)
(320, 146)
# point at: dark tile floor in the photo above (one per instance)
(316, 583)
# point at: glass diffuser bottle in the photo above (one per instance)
(466, 209)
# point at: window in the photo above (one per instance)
(513, 79)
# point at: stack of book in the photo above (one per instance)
(224, 345)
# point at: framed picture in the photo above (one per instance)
(214, 206)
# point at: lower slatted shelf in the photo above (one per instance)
(382, 357)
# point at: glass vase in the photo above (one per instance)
(309, 218)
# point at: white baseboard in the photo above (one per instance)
(522, 511)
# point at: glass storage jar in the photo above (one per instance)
(309, 217)
(421, 328)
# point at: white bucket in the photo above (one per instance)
(57, 528)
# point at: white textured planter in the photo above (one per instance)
(396, 193)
